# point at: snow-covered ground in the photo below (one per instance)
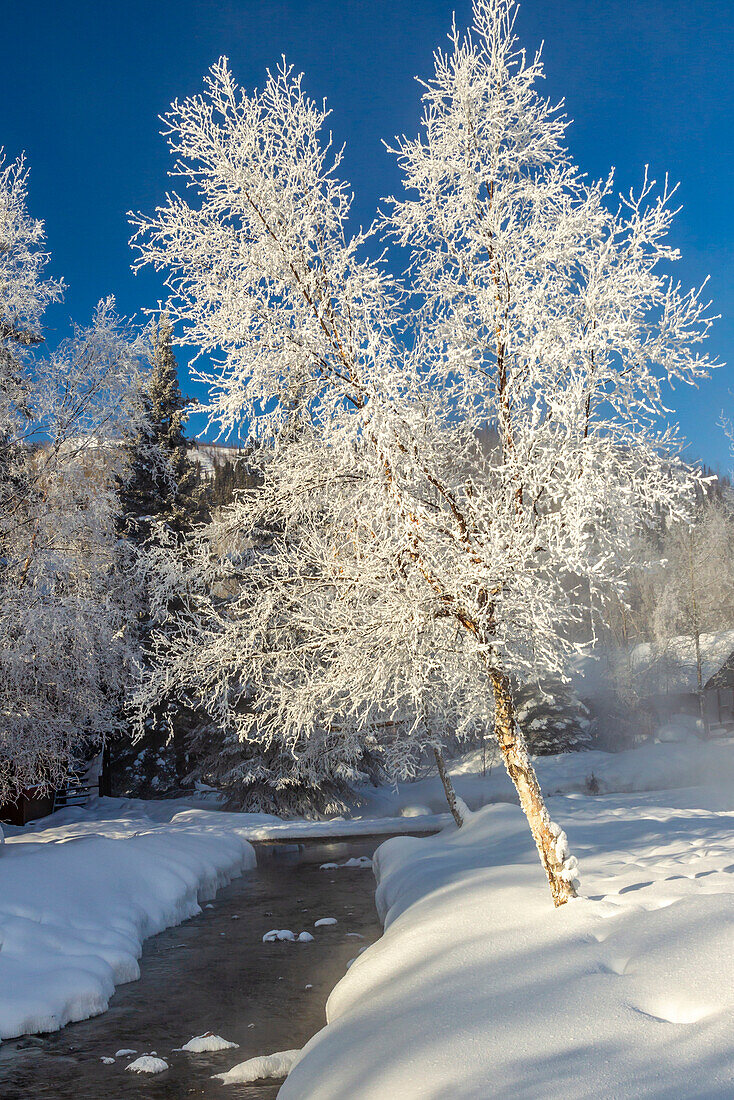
(650, 767)
(480, 988)
(80, 892)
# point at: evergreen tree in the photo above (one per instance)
(230, 475)
(552, 718)
(161, 498)
(162, 485)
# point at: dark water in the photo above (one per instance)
(213, 973)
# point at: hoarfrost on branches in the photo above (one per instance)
(450, 485)
(64, 655)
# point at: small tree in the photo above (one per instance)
(546, 324)
(552, 718)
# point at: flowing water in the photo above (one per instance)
(214, 973)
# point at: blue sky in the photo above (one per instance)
(82, 84)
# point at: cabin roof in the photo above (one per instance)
(724, 678)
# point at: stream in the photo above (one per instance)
(214, 973)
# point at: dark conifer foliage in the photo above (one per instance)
(229, 476)
(553, 718)
(162, 485)
(161, 495)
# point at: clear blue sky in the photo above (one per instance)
(82, 84)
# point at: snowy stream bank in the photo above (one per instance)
(214, 973)
(478, 987)
(79, 897)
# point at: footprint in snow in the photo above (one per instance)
(675, 1010)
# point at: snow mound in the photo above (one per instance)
(324, 922)
(279, 934)
(262, 1067)
(107, 1061)
(147, 1064)
(124, 1052)
(415, 811)
(208, 1041)
(305, 937)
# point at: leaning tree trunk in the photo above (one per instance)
(550, 840)
(448, 787)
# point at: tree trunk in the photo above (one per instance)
(701, 696)
(448, 787)
(549, 840)
(697, 639)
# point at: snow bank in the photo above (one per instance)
(650, 767)
(480, 988)
(377, 823)
(79, 896)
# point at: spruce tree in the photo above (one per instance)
(162, 485)
(160, 496)
(553, 718)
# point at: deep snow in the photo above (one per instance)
(479, 987)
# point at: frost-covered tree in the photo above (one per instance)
(205, 589)
(681, 587)
(66, 658)
(24, 296)
(695, 586)
(406, 549)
